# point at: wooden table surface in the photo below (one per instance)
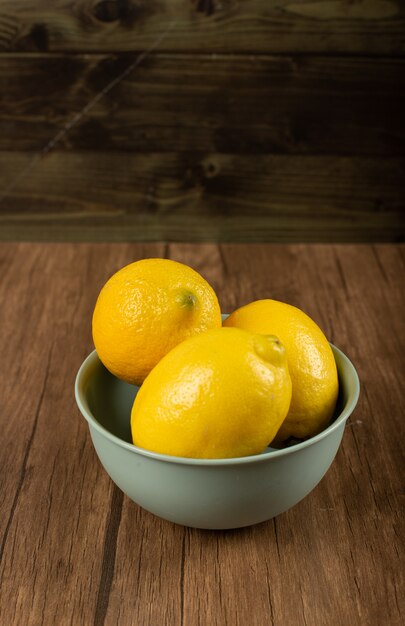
(74, 550)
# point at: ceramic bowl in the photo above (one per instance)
(206, 493)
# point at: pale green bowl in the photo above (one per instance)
(219, 493)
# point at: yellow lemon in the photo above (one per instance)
(310, 361)
(147, 308)
(221, 394)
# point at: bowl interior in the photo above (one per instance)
(109, 400)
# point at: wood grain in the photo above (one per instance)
(222, 197)
(215, 103)
(265, 26)
(75, 551)
(191, 144)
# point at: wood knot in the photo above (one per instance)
(36, 39)
(112, 10)
(210, 169)
(206, 6)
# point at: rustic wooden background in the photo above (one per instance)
(254, 120)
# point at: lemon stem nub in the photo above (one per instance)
(188, 300)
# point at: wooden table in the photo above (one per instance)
(74, 550)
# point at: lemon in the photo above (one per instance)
(145, 309)
(310, 361)
(221, 394)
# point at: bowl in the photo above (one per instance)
(206, 493)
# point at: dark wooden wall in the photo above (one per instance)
(254, 120)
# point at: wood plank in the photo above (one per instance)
(332, 26)
(47, 461)
(150, 197)
(215, 103)
(75, 551)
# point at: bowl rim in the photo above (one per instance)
(92, 358)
